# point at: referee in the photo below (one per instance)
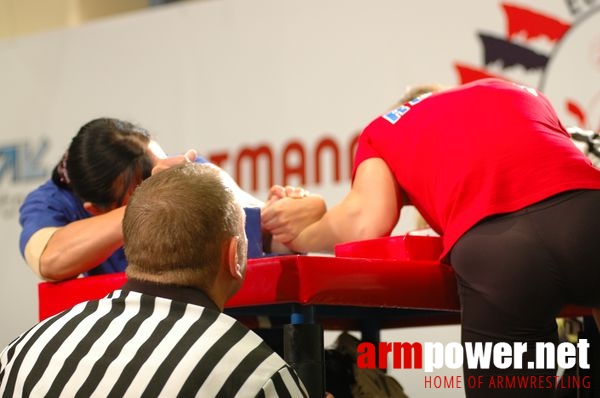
(163, 333)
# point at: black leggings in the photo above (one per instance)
(516, 271)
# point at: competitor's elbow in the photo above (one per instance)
(369, 226)
(50, 272)
(370, 231)
(55, 266)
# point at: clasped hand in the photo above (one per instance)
(285, 216)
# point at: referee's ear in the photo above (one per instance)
(233, 261)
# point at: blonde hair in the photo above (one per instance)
(413, 92)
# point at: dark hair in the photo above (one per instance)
(104, 160)
(176, 224)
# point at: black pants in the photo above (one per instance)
(516, 271)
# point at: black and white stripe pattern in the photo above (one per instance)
(131, 344)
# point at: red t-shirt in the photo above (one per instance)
(483, 148)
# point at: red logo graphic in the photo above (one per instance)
(567, 71)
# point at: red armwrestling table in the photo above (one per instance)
(404, 286)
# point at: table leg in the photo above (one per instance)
(303, 350)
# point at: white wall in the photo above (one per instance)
(224, 75)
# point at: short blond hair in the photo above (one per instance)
(413, 92)
(176, 226)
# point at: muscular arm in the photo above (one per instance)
(370, 210)
(80, 245)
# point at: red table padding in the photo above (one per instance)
(405, 247)
(347, 281)
(54, 297)
(299, 279)
(414, 282)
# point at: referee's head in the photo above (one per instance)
(183, 226)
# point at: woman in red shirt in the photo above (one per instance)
(493, 171)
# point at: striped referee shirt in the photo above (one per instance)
(145, 340)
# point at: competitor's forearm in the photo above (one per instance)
(81, 245)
